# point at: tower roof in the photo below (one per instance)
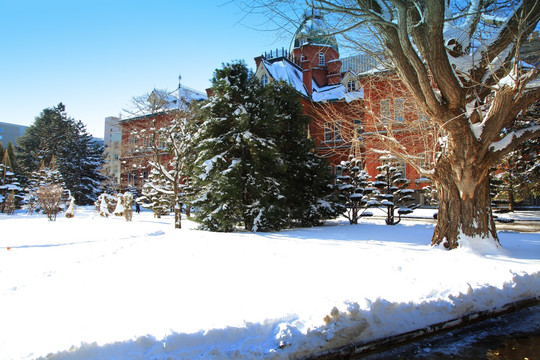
(314, 30)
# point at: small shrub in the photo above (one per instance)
(49, 197)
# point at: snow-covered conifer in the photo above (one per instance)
(156, 194)
(78, 158)
(354, 189)
(238, 158)
(9, 184)
(392, 190)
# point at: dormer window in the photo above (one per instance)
(321, 59)
(264, 80)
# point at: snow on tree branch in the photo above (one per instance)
(514, 138)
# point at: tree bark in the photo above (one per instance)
(464, 209)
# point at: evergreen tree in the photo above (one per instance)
(156, 194)
(392, 191)
(306, 180)
(81, 169)
(16, 168)
(43, 177)
(354, 189)
(54, 134)
(238, 157)
(10, 187)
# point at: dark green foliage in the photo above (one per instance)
(49, 177)
(255, 166)
(237, 156)
(392, 191)
(306, 180)
(354, 189)
(54, 134)
(157, 194)
(388, 192)
(11, 192)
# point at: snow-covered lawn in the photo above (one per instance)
(96, 288)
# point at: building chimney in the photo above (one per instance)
(307, 76)
(258, 60)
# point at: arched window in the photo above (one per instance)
(264, 80)
(321, 59)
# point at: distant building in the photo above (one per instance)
(137, 141)
(112, 139)
(10, 133)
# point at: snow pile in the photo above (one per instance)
(94, 288)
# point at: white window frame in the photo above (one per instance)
(328, 136)
(385, 110)
(322, 59)
(351, 85)
(399, 109)
(264, 80)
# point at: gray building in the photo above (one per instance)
(112, 140)
(10, 133)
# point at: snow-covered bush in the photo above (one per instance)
(127, 202)
(49, 197)
(70, 211)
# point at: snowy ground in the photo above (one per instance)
(96, 288)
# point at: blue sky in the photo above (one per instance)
(95, 55)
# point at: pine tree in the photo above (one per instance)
(306, 180)
(43, 177)
(354, 189)
(54, 134)
(392, 191)
(156, 194)
(238, 157)
(81, 168)
(9, 184)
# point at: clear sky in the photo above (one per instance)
(95, 55)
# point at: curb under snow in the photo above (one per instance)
(387, 343)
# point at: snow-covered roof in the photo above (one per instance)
(284, 70)
(160, 101)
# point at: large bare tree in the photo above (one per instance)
(460, 61)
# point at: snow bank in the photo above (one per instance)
(94, 288)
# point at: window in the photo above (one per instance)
(399, 111)
(321, 59)
(132, 143)
(328, 132)
(302, 58)
(399, 165)
(337, 131)
(422, 116)
(351, 85)
(264, 80)
(385, 110)
(132, 179)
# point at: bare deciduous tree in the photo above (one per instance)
(50, 197)
(460, 61)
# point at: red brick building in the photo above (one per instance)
(140, 134)
(349, 100)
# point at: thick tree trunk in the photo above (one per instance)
(464, 206)
(177, 208)
(177, 218)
